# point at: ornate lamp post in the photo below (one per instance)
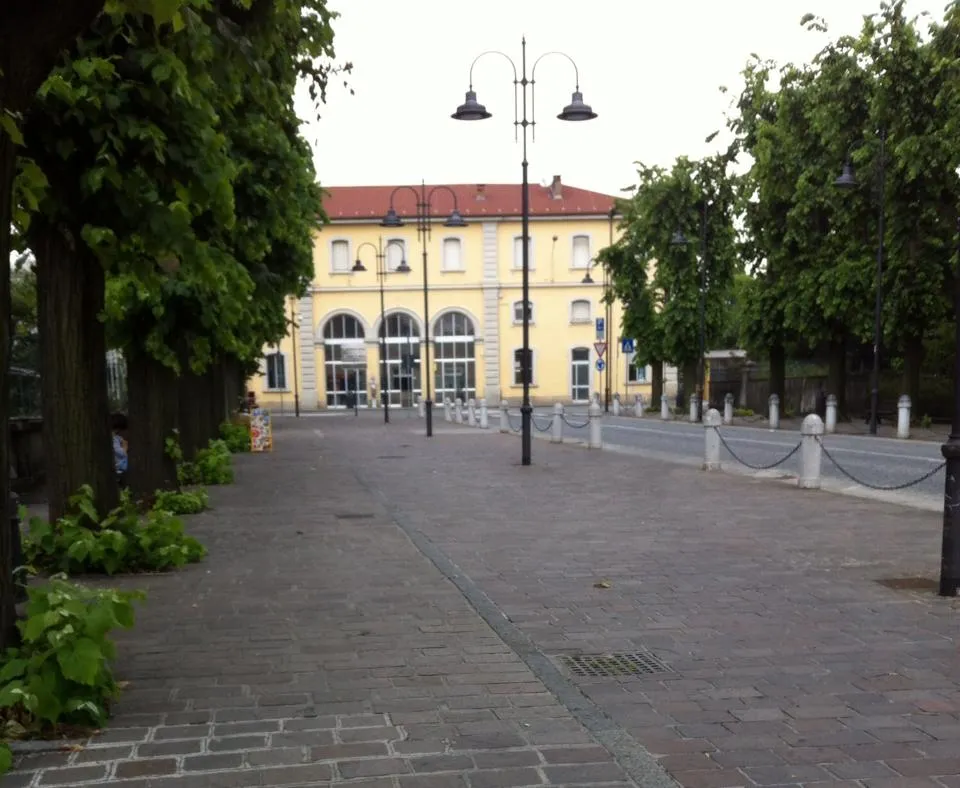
(424, 200)
(847, 180)
(950, 548)
(382, 272)
(576, 110)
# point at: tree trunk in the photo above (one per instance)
(656, 383)
(218, 397)
(837, 376)
(73, 367)
(190, 395)
(154, 415)
(689, 381)
(778, 370)
(913, 354)
(232, 385)
(8, 631)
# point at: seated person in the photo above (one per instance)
(120, 458)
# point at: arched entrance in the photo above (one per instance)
(455, 351)
(344, 360)
(402, 376)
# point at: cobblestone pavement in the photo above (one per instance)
(788, 662)
(317, 646)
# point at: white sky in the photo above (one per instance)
(651, 69)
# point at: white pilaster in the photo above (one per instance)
(490, 331)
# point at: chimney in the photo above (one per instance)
(481, 194)
(556, 188)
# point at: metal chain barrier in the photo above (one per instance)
(571, 424)
(539, 428)
(881, 487)
(742, 461)
(510, 422)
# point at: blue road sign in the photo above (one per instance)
(601, 328)
(626, 346)
(600, 365)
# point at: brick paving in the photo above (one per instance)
(317, 646)
(789, 663)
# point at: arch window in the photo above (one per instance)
(400, 359)
(455, 342)
(345, 360)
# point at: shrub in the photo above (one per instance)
(60, 674)
(122, 541)
(183, 502)
(743, 413)
(926, 422)
(212, 465)
(236, 436)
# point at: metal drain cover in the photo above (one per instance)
(910, 583)
(636, 663)
(353, 516)
(392, 457)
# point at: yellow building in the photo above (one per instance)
(474, 298)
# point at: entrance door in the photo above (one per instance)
(580, 374)
(342, 378)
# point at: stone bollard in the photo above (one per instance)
(472, 412)
(421, 408)
(664, 407)
(458, 411)
(638, 406)
(728, 409)
(616, 404)
(903, 417)
(811, 452)
(596, 397)
(556, 433)
(694, 408)
(774, 407)
(711, 450)
(447, 414)
(595, 417)
(831, 414)
(484, 416)
(504, 419)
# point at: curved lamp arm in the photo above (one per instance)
(533, 85)
(448, 190)
(516, 83)
(416, 194)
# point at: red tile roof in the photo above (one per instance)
(473, 200)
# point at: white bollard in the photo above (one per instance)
(472, 412)
(728, 409)
(774, 407)
(664, 407)
(458, 410)
(903, 417)
(596, 397)
(711, 449)
(484, 416)
(694, 408)
(595, 417)
(421, 408)
(811, 452)
(504, 419)
(831, 425)
(556, 434)
(638, 406)
(616, 404)
(447, 413)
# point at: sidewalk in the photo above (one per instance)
(387, 611)
(317, 645)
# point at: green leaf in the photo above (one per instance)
(6, 758)
(82, 662)
(9, 126)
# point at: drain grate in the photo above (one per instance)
(636, 663)
(353, 516)
(910, 583)
(392, 457)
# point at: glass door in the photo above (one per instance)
(580, 374)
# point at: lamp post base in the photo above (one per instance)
(950, 549)
(526, 416)
(428, 413)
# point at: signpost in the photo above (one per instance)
(601, 328)
(627, 346)
(600, 365)
(600, 347)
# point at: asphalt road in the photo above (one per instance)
(878, 462)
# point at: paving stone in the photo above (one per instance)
(213, 761)
(584, 773)
(592, 754)
(504, 778)
(441, 763)
(145, 767)
(71, 775)
(374, 767)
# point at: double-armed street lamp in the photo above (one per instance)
(382, 271)
(847, 180)
(576, 110)
(424, 201)
(680, 240)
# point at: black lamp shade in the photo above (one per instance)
(471, 109)
(455, 220)
(679, 239)
(403, 268)
(587, 279)
(577, 110)
(359, 267)
(847, 179)
(391, 219)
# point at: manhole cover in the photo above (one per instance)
(354, 516)
(910, 583)
(637, 663)
(392, 457)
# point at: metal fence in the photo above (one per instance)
(25, 387)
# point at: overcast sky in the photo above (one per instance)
(651, 69)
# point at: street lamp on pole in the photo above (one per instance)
(576, 110)
(382, 272)
(847, 180)
(424, 200)
(680, 240)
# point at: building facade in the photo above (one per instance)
(336, 351)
